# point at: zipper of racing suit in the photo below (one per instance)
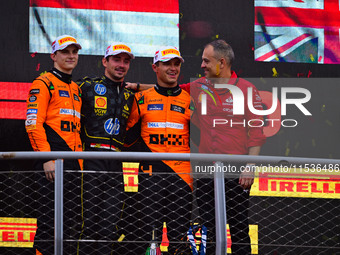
(74, 117)
(167, 110)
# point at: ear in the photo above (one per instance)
(223, 63)
(53, 57)
(104, 62)
(154, 68)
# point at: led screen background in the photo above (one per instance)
(143, 25)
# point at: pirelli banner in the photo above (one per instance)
(300, 182)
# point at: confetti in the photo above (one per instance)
(43, 73)
(309, 73)
(183, 36)
(320, 58)
(198, 52)
(312, 58)
(323, 108)
(296, 145)
(275, 73)
(287, 152)
(276, 58)
(38, 67)
(300, 74)
(34, 54)
(181, 15)
(199, 75)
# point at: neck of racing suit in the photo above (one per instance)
(175, 91)
(67, 78)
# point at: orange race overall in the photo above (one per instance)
(53, 113)
(53, 124)
(161, 117)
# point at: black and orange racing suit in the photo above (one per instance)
(104, 114)
(53, 124)
(165, 187)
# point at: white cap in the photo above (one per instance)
(167, 53)
(63, 41)
(117, 48)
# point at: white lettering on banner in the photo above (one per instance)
(69, 112)
(254, 122)
(165, 125)
(238, 100)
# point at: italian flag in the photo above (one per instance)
(143, 25)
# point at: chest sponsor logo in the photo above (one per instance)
(32, 99)
(165, 125)
(155, 100)
(155, 107)
(34, 91)
(100, 89)
(69, 112)
(100, 102)
(32, 106)
(76, 97)
(112, 127)
(64, 93)
(228, 101)
(30, 122)
(32, 111)
(168, 139)
(99, 112)
(180, 102)
(177, 108)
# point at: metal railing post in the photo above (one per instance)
(220, 210)
(58, 207)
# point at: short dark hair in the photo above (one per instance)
(223, 50)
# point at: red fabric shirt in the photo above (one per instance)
(234, 137)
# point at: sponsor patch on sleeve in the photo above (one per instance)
(30, 122)
(31, 127)
(76, 97)
(34, 91)
(32, 111)
(32, 106)
(31, 117)
(177, 108)
(32, 99)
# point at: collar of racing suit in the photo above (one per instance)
(67, 78)
(175, 91)
(113, 83)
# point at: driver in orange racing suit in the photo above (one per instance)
(161, 116)
(53, 124)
